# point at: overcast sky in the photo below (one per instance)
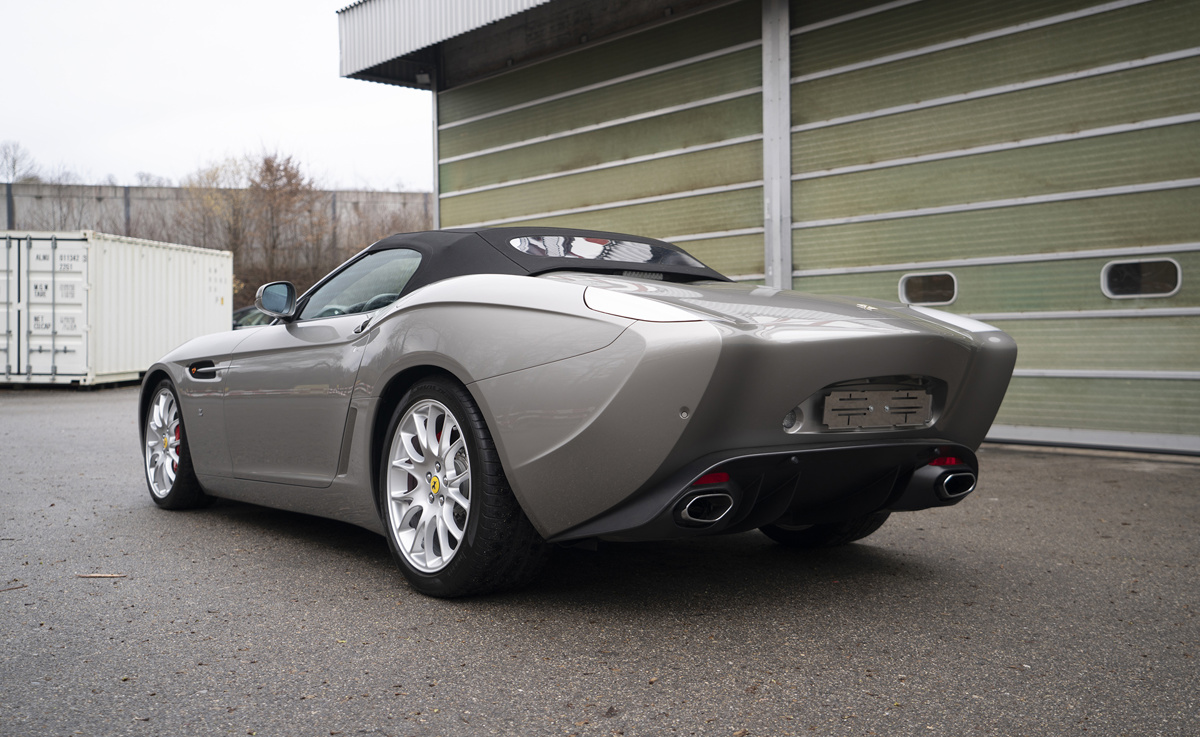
(117, 87)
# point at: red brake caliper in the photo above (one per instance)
(175, 464)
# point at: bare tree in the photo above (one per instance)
(368, 216)
(146, 179)
(271, 215)
(286, 214)
(16, 163)
(59, 212)
(215, 210)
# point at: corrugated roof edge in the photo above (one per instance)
(372, 32)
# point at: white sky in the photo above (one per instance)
(117, 87)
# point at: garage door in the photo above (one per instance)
(1033, 164)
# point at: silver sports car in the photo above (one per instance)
(477, 396)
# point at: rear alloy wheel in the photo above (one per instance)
(826, 536)
(169, 474)
(452, 522)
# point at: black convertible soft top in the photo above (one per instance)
(537, 250)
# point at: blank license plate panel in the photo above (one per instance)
(878, 408)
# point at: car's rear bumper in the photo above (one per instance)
(743, 490)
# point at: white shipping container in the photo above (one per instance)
(83, 307)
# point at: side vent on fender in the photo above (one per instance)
(202, 370)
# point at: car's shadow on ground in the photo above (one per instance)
(698, 575)
(715, 574)
(320, 535)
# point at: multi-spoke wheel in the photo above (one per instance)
(169, 472)
(452, 522)
(429, 486)
(827, 535)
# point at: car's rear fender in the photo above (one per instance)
(481, 326)
(472, 328)
(578, 436)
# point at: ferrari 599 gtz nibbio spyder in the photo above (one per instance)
(479, 395)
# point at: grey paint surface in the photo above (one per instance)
(580, 435)
(587, 408)
(1060, 596)
(287, 392)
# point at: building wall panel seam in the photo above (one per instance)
(968, 40)
(848, 17)
(1002, 203)
(606, 165)
(1107, 374)
(1115, 313)
(732, 118)
(714, 235)
(1145, 441)
(649, 114)
(602, 85)
(1002, 89)
(618, 204)
(1107, 130)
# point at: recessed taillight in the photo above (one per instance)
(717, 477)
(945, 461)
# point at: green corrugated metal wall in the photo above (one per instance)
(1020, 146)
(657, 133)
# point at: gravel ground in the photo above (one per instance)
(1059, 599)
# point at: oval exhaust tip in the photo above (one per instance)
(706, 509)
(958, 484)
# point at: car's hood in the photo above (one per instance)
(753, 306)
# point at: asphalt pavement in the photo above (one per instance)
(1060, 598)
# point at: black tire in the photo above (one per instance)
(826, 536)
(484, 545)
(166, 458)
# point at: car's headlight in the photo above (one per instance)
(635, 308)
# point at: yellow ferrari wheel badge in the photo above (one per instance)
(166, 443)
(435, 485)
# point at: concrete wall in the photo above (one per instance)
(162, 213)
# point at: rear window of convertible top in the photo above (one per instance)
(601, 249)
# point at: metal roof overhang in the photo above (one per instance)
(392, 41)
(449, 43)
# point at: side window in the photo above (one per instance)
(374, 281)
(937, 288)
(1150, 278)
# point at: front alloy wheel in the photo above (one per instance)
(168, 462)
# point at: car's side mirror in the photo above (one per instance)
(277, 299)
